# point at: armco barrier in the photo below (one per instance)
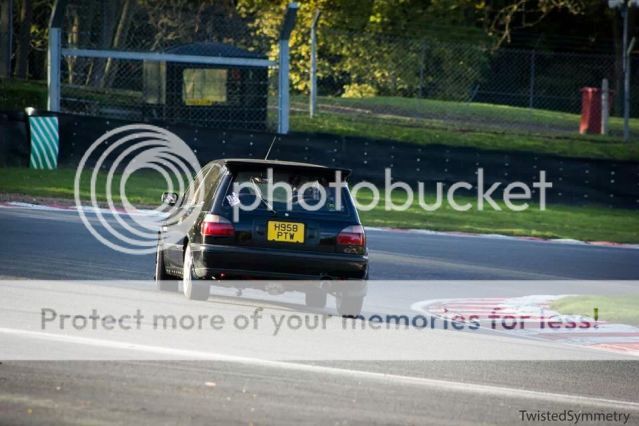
(575, 181)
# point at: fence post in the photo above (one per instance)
(53, 70)
(422, 64)
(626, 92)
(53, 55)
(313, 83)
(531, 89)
(283, 84)
(626, 74)
(605, 106)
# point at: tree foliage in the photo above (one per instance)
(381, 43)
(393, 47)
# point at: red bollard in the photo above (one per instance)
(590, 110)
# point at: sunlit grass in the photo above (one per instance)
(618, 309)
(588, 223)
(483, 126)
(141, 188)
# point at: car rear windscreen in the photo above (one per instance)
(302, 192)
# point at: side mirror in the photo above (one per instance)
(169, 198)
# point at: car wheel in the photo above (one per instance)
(193, 288)
(349, 306)
(163, 281)
(316, 297)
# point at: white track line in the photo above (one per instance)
(392, 379)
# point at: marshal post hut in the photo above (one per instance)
(229, 92)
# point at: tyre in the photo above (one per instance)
(194, 289)
(163, 281)
(349, 306)
(316, 298)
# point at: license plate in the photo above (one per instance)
(285, 232)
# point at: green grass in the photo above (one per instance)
(141, 188)
(483, 126)
(476, 113)
(617, 309)
(558, 221)
(589, 223)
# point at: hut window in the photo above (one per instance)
(204, 86)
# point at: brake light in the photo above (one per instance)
(352, 236)
(216, 226)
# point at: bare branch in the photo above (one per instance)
(527, 13)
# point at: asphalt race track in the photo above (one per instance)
(50, 245)
(39, 244)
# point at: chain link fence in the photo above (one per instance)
(543, 80)
(363, 77)
(170, 62)
(467, 87)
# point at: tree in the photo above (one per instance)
(119, 40)
(108, 20)
(24, 39)
(363, 40)
(6, 33)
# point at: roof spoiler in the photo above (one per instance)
(320, 170)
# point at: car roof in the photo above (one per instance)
(240, 162)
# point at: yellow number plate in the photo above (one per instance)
(286, 232)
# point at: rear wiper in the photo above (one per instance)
(258, 191)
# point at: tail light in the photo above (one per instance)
(352, 236)
(216, 226)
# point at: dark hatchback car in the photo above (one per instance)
(275, 240)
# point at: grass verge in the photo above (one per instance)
(141, 188)
(586, 223)
(590, 223)
(468, 114)
(617, 309)
(419, 132)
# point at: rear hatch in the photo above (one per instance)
(290, 207)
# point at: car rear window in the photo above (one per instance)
(281, 189)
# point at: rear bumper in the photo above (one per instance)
(210, 260)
